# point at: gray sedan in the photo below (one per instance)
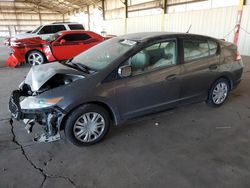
(123, 78)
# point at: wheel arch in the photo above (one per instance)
(33, 50)
(108, 108)
(227, 77)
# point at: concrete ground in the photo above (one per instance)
(189, 147)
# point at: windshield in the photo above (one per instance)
(53, 37)
(35, 31)
(101, 55)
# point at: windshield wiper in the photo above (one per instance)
(79, 66)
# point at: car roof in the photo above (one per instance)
(67, 23)
(75, 31)
(145, 36)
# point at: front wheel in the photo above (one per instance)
(218, 93)
(87, 125)
(35, 58)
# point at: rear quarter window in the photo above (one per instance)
(195, 49)
(213, 47)
(76, 27)
(49, 29)
(57, 28)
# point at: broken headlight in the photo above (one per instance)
(36, 103)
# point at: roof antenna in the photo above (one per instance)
(189, 28)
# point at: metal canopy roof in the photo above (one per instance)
(60, 6)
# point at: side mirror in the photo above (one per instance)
(62, 41)
(125, 71)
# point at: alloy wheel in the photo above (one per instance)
(220, 93)
(89, 127)
(35, 58)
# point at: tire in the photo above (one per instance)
(81, 127)
(35, 58)
(218, 93)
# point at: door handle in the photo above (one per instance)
(213, 67)
(171, 77)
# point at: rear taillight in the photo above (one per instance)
(238, 56)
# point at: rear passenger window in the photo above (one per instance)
(213, 46)
(195, 49)
(57, 28)
(49, 29)
(76, 37)
(76, 27)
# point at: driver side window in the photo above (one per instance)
(153, 57)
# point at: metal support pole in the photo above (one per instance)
(88, 17)
(39, 14)
(238, 22)
(103, 9)
(163, 15)
(17, 21)
(126, 16)
(9, 31)
(63, 17)
(126, 8)
(165, 6)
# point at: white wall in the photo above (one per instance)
(209, 4)
(217, 22)
(116, 26)
(144, 23)
(213, 22)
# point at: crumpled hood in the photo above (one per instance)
(25, 35)
(40, 74)
(27, 41)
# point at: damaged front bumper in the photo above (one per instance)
(13, 61)
(50, 117)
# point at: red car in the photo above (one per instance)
(60, 46)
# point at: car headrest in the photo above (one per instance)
(140, 60)
(203, 45)
(170, 48)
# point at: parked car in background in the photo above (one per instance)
(123, 78)
(63, 45)
(44, 31)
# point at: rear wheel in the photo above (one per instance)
(218, 93)
(35, 58)
(87, 125)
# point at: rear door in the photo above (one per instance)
(200, 62)
(73, 45)
(48, 30)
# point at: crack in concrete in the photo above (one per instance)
(42, 172)
(5, 119)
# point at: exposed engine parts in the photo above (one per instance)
(31, 88)
(55, 81)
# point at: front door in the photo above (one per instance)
(154, 84)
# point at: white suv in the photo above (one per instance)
(44, 31)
